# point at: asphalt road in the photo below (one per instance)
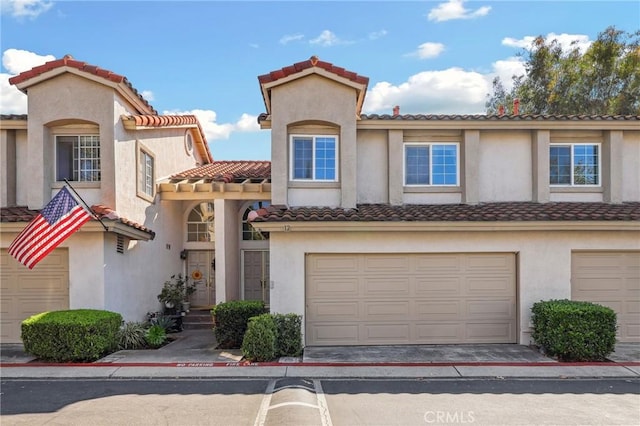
(323, 402)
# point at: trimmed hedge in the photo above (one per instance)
(259, 343)
(289, 336)
(574, 331)
(231, 319)
(270, 336)
(79, 335)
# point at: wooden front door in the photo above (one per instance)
(201, 272)
(256, 275)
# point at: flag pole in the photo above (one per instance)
(86, 205)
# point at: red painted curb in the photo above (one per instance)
(323, 364)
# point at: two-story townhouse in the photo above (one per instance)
(91, 127)
(410, 229)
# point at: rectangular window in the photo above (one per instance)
(78, 158)
(431, 164)
(314, 158)
(574, 164)
(146, 174)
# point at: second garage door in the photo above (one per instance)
(379, 299)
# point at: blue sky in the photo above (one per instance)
(203, 57)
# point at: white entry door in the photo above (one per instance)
(201, 272)
(256, 275)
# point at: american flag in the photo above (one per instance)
(55, 223)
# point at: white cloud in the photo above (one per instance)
(148, 95)
(567, 41)
(25, 8)
(506, 69)
(429, 50)
(450, 91)
(16, 61)
(326, 39)
(454, 9)
(377, 34)
(291, 37)
(214, 130)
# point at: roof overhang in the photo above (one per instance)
(13, 124)
(197, 189)
(417, 226)
(480, 124)
(119, 86)
(114, 226)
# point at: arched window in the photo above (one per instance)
(200, 226)
(249, 233)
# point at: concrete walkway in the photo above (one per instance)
(193, 353)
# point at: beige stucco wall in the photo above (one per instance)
(372, 167)
(631, 167)
(313, 99)
(544, 258)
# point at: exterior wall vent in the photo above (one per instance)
(120, 244)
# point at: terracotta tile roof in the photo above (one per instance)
(310, 63)
(104, 212)
(488, 212)
(69, 61)
(227, 171)
(17, 117)
(23, 214)
(148, 120)
(495, 117)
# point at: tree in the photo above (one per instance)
(604, 79)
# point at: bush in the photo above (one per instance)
(132, 336)
(574, 331)
(80, 335)
(156, 336)
(259, 343)
(231, 320)
(289, 334)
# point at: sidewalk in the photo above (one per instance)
(193, 355)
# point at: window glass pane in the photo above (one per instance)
(325, 159)
(302, 158)
(416, 165)
(64, 157)
(444, 161)
(560, 165)
(585, 165)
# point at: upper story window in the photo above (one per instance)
(576, 164)
(431, 164)
(146, 173)
(200, 224)
(78, 158)
(249, 233)
(314, 158)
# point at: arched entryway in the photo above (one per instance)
(200, 254)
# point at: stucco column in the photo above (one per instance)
(612, 173)
(279, 164)
(540, 165)
(395, 167)
(471, 170)
(219, 244)
(8, 171)
(348, 169)
(39, 188)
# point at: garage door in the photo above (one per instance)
(611, 279)
(26, 292)
(380, 299)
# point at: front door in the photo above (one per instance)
(201, 272)
(256, 275)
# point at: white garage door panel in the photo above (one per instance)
(28, 292)
(370, 299)
(611, 279)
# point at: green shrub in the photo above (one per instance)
(79, 335)
(166, 322)
(289, 334)
(132, 336)
(231, 320)
(259, 343)
(574, 331)
(156, 336)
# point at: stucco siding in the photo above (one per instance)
(543, 258)
(630, 167)
(372, 167)
(505, 166)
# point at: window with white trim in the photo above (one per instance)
(434, 164)
(574, 164)
(78, 158)
(314, 158)
(146, 174)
